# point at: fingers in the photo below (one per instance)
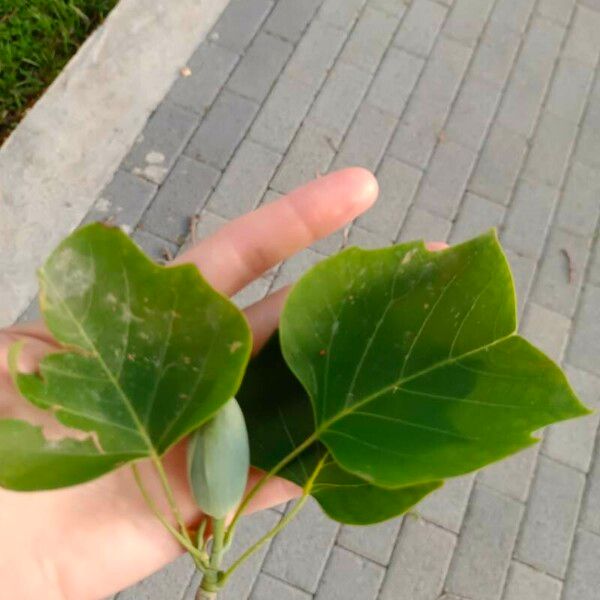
(263, 316)
(243, 249)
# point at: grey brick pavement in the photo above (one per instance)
(473, 113)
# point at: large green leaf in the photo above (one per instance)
(412, 364)
(279, 419)
(149, 354)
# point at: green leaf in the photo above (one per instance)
(149, 354)
(412, 364)
(279, 419)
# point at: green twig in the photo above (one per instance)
(283, 523)
(171, 498)
(264, 479)
(196, 555)
(211, 582)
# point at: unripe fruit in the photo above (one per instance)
(218, 460)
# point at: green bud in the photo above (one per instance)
(218, 460)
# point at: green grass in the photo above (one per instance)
(37, 38)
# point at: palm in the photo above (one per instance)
(89, 541)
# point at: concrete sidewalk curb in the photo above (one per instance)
(60, 157)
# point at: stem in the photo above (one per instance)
(265, 538)
(283, 523)
(263, 480)
(171, 498)
(211, 580)
(180, 538)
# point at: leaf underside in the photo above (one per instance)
(412, 363)
(149, 353)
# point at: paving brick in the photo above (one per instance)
(528, 84)
(583, 43)
(593, 4)
(245, 181)
(249, 531)
(552, 146)
(253, 292)
(572, 442)
(551, 517)
(525, 583)
(341, 13)
(583, 581)
(495, 54)
(123, 200)
(395, 8)
(311, 153)
(268, 588)
(444, 72)
(31, 313)
(240, 21)
(482, 556)
(419, 132)
(546, 329)
(222, 129)
(260, 66)
(476, 215)
(336, 585)
(282, 113)
(398, 184)
(157, 148)
(422, 225)
(315, 53)
(570, 89)
(588, 146)
(210, 67)
(523, 270)
(430, 104)
(557, 10)
(271, 196)
(419, 563)
(375, 542)
(472, 113)
(363, 238)
(366, 139)
(295, 267)
(299, 553)
(331, 244)
(369, 39)
(561, 275)
(499, 164)
(467, 20)
(528, 218)
(290, 18)
(513, 14)
(584, 349)
(590, 515)
(594, 271)
(183, 194)
(446, 179)
(395, 81)
(447, 506)
(420, 27)
(154, 246)
(170, 582)
(512, 476)
(340, 98)
(207, 223)
(579, 209)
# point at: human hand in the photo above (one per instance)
(92, 540)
